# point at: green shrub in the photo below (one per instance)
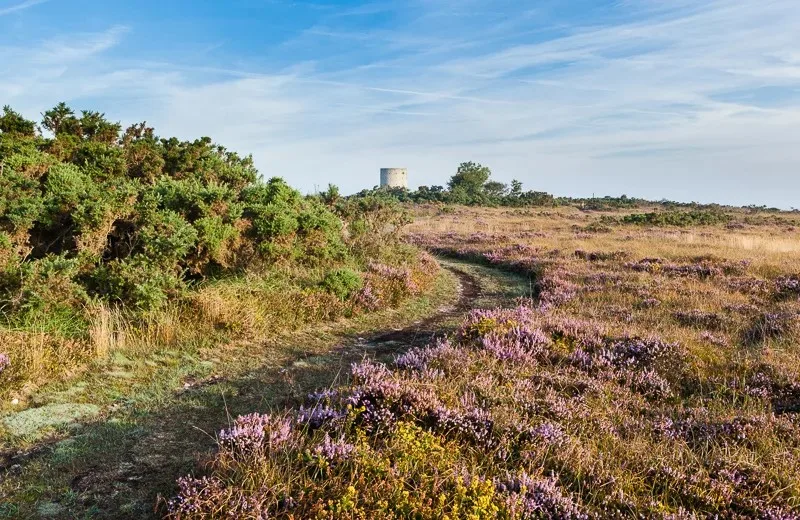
(678, 218)
(342, 282)
(143, 217)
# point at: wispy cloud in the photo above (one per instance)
(20, 6)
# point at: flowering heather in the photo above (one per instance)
(367, 298)
(698, 318)
(481, 321)
(519, 344)
(583, 333)
(649, 303)
(256, 431)
(474, 425)
(638, 352)
(419, 358)
(538, 498)
(321, 396)
(550, 434)
(648, 265)
(788, 286)
(748, 285)
(331, 450)
(554, 291)
(714, 339)
(317, 416)
(742, 308)
(770, 325)
(648, 382)
(701, 430)
(597, 256)
(702, 269)
(385, 285)
(5, 362)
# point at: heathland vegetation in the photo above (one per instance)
(651, 369)
(651, 373)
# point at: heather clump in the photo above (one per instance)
(788, 286)
(699, 318)
(538, 498)
(385, 285)
(600, 256)
(700, 269)
(770, 326)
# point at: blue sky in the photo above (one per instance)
(687, 100)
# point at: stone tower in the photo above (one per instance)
(394, 178)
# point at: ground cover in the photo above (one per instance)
(650, 371)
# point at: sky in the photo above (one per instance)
(687, 100)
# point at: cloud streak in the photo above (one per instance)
(20, 6)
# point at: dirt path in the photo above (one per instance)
(116, 468)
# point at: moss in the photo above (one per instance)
(32, 422)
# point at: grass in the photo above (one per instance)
(160, 409)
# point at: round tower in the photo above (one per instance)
(394, 178)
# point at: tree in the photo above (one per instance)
(13, 123)
(494, 189)
(55, 118)
(96, 128)
(516, 189)
(469, 179)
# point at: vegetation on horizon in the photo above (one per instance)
(472, 185)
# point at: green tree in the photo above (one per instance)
(516, 189)
(469, 179)
(55, 118)
(13, 123)
(96, 127)
(494, 189)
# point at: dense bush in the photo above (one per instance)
(677, 218)
(342, 282)
(131, 218)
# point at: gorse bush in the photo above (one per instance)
(132, 218)
(342, 282)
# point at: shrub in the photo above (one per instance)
(678, 218)
(788, 286)
(769, 325)
(143, 217)
(342, 282)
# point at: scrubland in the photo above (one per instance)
(651, 371)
